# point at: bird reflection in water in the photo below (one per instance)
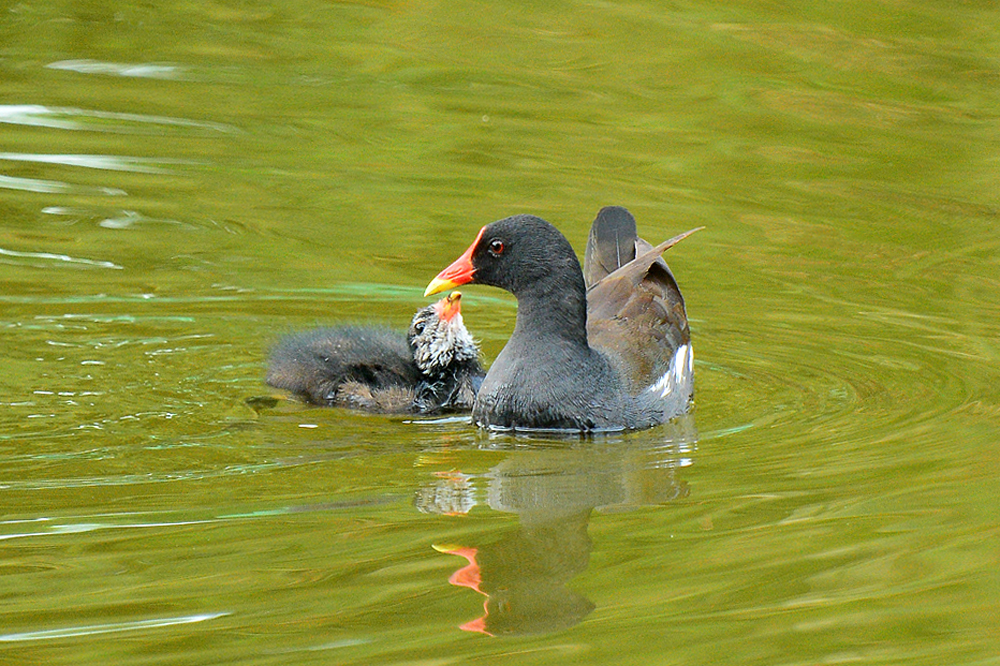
(525, 575)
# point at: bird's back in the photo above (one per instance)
(317, 364)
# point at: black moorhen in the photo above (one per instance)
(434, 368)
(616, 356)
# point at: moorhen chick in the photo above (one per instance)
(614, 356)
(433, 368)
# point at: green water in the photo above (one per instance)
(182, 183)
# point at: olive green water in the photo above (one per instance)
(183, 182)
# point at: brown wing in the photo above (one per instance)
(636, 315)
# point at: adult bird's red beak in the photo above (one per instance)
(461, 271)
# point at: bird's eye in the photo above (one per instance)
(496, 247)
(419, 327)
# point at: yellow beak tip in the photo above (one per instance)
(438, 285)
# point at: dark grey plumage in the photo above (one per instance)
(434, 368)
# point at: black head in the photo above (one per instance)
(522, 253)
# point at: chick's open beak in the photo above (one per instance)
(449, 306)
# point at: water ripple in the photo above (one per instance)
(104, 162)
(141, 70)
(109, 628)
(141, 479)
(50, 256)
(62, 117)
(880, 375)
(54, 186)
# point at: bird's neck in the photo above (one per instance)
(555, 307)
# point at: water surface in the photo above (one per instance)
(182, 184)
